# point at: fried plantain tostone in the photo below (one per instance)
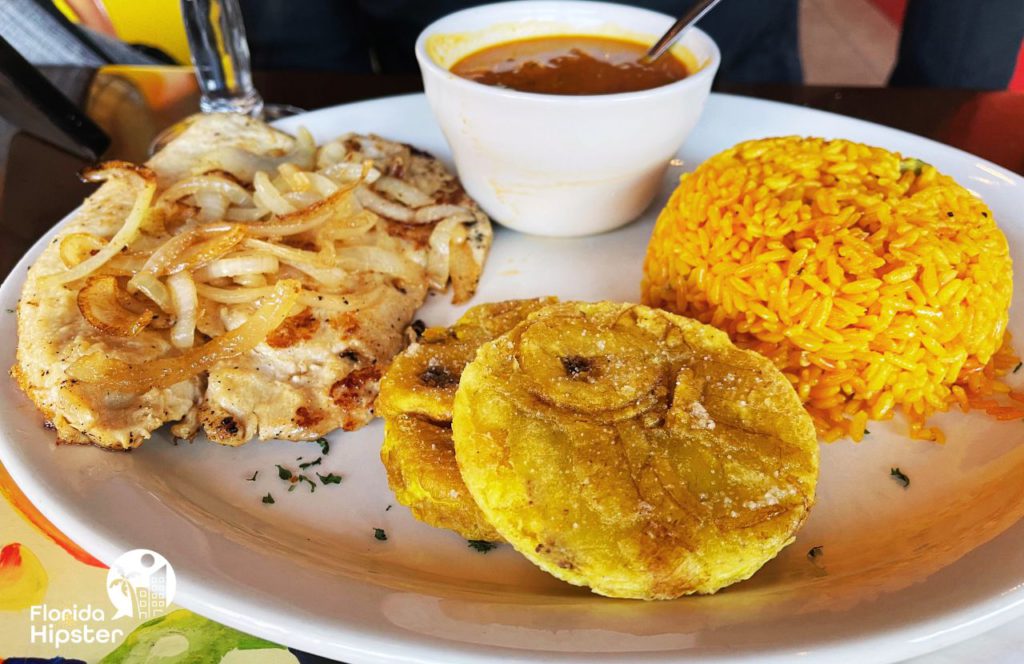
(423, 379)
(416, 396)
(634, 451)
(420, 460)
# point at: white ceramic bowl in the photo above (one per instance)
(560, 165)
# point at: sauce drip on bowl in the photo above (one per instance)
(570, 65)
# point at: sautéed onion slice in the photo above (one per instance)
(125, 377)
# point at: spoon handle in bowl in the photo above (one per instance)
(685, 21)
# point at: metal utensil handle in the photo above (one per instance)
(220, 55)
(685, 21)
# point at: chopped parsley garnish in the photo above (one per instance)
(325, 446)
(306, 465)
(387, 508)
(268, 499)
(10, 311)
(866, 432)
(482, 546)
(253, 478)
(329, 478)
(284, 473)
(899, 476)
(1017, 368)
(815, 553)
(912, 165)
(379, 534)
(312, 484)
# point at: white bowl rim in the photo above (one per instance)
(692, 80)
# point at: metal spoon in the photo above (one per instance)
(678, 28)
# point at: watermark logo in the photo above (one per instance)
(140, 584)
(53, 626)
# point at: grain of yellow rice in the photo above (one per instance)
(874, 283)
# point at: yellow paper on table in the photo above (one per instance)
(154, 23)
(51, 589)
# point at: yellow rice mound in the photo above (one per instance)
(874, 282)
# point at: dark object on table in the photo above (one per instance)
(42, 660)
(957, 44)
(33, 104)
(306, 658)
(44, 36)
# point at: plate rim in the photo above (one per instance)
(228, 605)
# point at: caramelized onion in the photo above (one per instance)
(212, 206)
(318, 267)
(233, 295)
(296, 178)
(76, 247)
(331, 154)
(267, 195)
(402, 191)
(122, 265)
(208, 183)
(464, 270)
(147, 284)
(220, 243)
(238, 264)
(186, 309)
(438, 259)
(250, 280)
(347, 171)
(345, 302)
(287, 254)
(124, 377)
(166, 254)
(244, 164)
(377, 259)
(432, 213)
(308, 217)
(245, 214)
(142, 177)
(102, 306)
(325, 186)
(301, 199)
(382, 206)
(344, 228)
(304, 153)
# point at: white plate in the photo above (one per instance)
(906, 571)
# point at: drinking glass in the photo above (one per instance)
(220, 56)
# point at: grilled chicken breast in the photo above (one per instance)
(318, 370)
